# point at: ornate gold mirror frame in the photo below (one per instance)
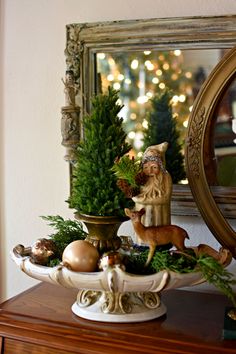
(199, 151)
(84, 41)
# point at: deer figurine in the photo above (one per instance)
(156, 235)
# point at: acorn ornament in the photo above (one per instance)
(42, 250)
(80, 256)
(111, 259)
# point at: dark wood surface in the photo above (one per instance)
(40, 321)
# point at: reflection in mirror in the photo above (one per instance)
(214, 106)
(85, 41)
(140, 75)
(225, 138)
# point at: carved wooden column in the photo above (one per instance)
(71, 127)
(70, 121)
(70, 130)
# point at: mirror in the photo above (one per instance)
(225, 137)
(140, 75)
(217, 94)
(85, 41)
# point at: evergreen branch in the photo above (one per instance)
(127, 169)
(185, 262)
(62, 225)
(217, 275)
(66, 231)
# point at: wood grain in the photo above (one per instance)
(40, 321)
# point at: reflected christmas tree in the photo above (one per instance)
(139, 76)
(162, 127)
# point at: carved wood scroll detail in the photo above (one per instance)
(74, 50)
(71, 113)
(194, 141)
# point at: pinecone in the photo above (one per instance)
(141, 178)
(128, 191)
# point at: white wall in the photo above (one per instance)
(34, 177)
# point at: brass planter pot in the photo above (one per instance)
(102, 231)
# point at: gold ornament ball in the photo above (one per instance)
(80, 256)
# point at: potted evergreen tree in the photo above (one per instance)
(95, 194)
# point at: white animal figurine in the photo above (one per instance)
(156, 235)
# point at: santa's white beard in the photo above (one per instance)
(154, 187)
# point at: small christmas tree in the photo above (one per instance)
(162, 127)
(94, 188)
(139, 75)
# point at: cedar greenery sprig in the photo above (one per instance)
(185, 262)
(175, 262)
(217, 275)
(127, 169)
(162, 259)
(66, 231)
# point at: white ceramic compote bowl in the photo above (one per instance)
(111, 295)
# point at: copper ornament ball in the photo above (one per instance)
(80, 256)
(42, 250)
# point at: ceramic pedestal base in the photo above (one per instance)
(118, 307)
(111, 295)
